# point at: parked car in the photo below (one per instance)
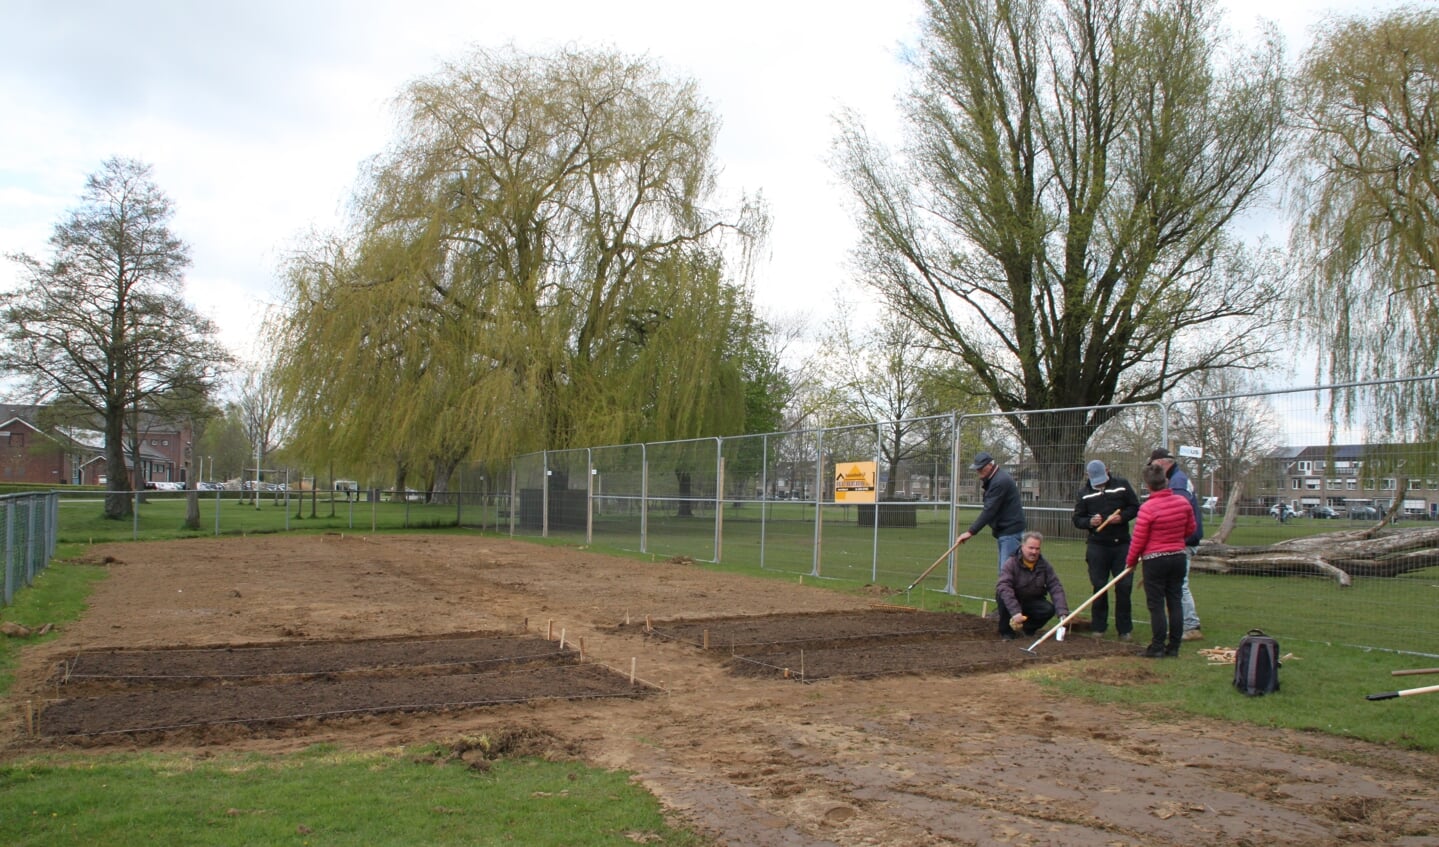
(1323, 513)
(1365, 513)
(1281, 512)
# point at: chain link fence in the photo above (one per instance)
(1272, 470)
(30, 529)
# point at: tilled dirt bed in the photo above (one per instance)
(892, 727)
(141, 693)
(868, 643)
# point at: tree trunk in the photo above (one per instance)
(192, 506)
(1231, 513)
(117, 477)
(685, 510)
(1341, 555)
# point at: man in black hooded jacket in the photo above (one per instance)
(1105, 506)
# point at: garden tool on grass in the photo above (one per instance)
(1390, 695)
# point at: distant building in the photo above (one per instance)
(33, 453)
(1352, 479)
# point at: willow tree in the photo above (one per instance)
(1367, 196)
(1059, 219)
(534, 264)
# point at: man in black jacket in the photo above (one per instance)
(1003, 510)
(1105, 506)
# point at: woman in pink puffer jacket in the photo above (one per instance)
(1164, 521)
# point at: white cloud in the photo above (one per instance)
(257, 115)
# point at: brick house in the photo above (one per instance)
(1353, 477)
(30, 453)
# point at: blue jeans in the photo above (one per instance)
(1008, 546)
(1186, 600)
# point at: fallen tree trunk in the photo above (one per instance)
(1342, 555)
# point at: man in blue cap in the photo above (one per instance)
(1104, 508)
(1003, 511)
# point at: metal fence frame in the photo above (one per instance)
(734, 482)
(30, 530)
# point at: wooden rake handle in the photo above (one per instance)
(942, 557)
(1082, 606)
(1390, 695)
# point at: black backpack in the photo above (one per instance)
(1256, 664)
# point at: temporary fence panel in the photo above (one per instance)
(618, 483)
(29, 538)
(1298, 495)
(681, 507)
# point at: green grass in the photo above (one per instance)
(323, 796)
(58, 595)
(160, 516)
(1322, 689)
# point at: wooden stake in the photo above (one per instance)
(30, 717)
(705, 641)
(632, 670)
(525, 627)
(648, 627)
(801, 663)
(550, 630)
(984, 609)
(562, 639)
(582, 648)
(627, 617)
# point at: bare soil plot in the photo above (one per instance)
(141, 694)
(868, 643)
(928, 757)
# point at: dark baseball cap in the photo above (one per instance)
(980, 460)
(1160, 453)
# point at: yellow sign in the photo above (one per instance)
(854, 482)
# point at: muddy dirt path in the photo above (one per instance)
(916, 759)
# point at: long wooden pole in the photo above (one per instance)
(1390, 695)
(1082, 606)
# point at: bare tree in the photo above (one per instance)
(261, 415)
(1237, 429)
(882, 375)
(1059, 218)
(102, 326)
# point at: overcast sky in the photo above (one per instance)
(256, 115)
